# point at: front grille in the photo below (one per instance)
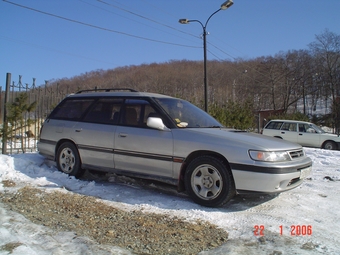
(296, 154)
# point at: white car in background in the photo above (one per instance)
(304, 133)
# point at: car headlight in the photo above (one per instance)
(269, 156)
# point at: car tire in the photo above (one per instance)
(68, 160)
(329, 145)
(209, 182)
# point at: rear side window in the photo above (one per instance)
(105, 111)
(71, 109)
(274, 125)
(289, 126)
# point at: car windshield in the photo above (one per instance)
(318, 130)
(186, 115)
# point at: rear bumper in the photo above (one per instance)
(46, 149)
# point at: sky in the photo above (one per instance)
(52, 39)
(314, 203)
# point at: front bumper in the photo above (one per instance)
(274, 182)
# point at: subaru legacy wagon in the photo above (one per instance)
(167, 139)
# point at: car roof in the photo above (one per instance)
(119, 94)
(292, 121)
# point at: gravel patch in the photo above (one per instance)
(139, 232)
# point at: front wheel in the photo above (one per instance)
(68, 160)
(209, 182)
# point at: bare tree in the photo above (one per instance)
(326, 51)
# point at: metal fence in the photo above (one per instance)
(21, 136)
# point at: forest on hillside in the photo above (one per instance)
(280, 82)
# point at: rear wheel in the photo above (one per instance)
(209, 182)
(68, 160)
(329, 145)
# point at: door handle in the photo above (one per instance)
(79, 130)
(283, 132)
(300, 134)
(122, 135)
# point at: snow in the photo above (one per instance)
(312, 208)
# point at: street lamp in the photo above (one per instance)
(224, 6)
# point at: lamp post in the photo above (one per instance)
(224, 6)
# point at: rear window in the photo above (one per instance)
(274, 125)
(71, 109)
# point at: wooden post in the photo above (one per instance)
(4, 123)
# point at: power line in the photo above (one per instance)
(51, 49)
(97, 27)
(146, 18)
(143, 17)
(119, 32)
(138, 15)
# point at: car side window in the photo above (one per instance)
(274, 125)
(132, 115)
(105, 111)
(289, 127)
(136, 112)
(305, 128)
(71, 109)
(310, 129)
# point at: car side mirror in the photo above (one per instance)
(156, 123)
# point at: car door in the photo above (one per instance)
(95, 134)
(288, 132)
(141, 149)
(308, 136)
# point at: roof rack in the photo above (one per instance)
(105, 90)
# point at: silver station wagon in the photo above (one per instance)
(167, 139)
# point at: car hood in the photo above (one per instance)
(252, 140)
(333, 136)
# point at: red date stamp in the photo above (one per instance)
(295, 230)
(259, 230)
(299, 230)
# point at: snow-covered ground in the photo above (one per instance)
(304, 220)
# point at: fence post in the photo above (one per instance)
(4, 122)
